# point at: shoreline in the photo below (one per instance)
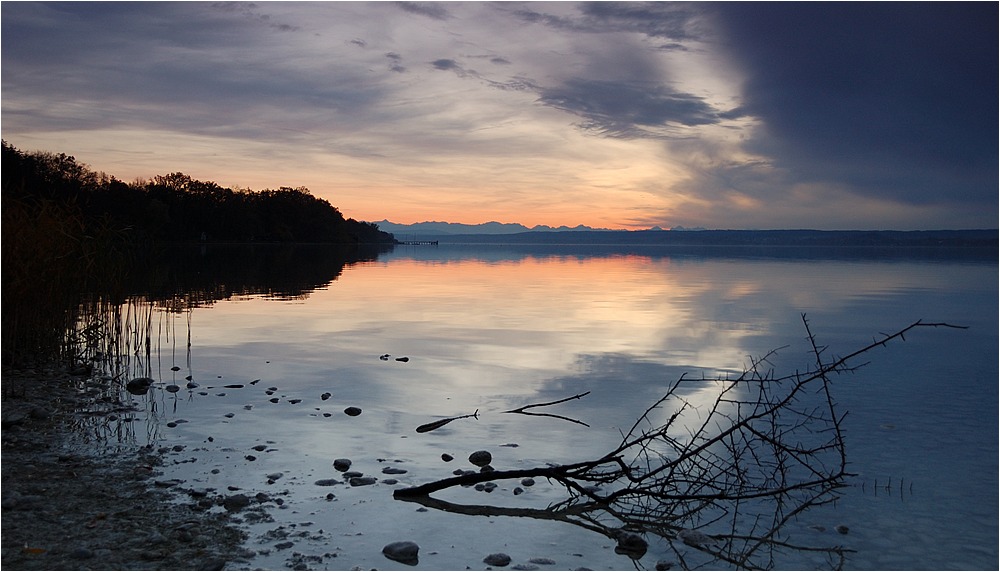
(68, 505)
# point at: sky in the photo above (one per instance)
(612, 115)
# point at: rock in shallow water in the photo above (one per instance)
(480, 458)
(693, 537)
(342, 464)
(139, 385)
(404, 551)
(498, 559)
(236, 503)
(353, 411)
(631, 545)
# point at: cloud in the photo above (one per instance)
(395, 62)
(693, 114)
(509, 84)
(629, 110)
(432, 10)
(670, 20)
(893, 100)
(447, 64)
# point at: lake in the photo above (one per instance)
(489, 329)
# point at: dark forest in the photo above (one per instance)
(170, 208)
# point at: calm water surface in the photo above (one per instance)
(492, 329)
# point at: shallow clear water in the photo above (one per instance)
(493, 329)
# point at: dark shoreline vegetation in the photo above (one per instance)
(72, 236)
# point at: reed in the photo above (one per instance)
(50, 262)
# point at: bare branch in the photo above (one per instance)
(768, 448)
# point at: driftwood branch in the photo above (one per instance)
(720, 484)
(522, 411)
(442, 422)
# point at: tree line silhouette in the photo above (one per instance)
(69, 233)
(174, 207)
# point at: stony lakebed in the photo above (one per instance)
(180, 474)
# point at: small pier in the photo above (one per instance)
(417, 242)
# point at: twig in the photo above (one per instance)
(522, 411)
(442, 422)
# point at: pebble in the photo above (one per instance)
(294, 401)
(172, 388)
(631, 545)
(480, 458)
(404, 551)
(156, 538)
(393, 471)
(446, 457)
(353, 411)
(325, 396)
(342, 464)
(403, 359)
(259, 447)
(528, 482)
(81, 554)
(693, 537)
(543, 561)
(518, 490)
(842, 529)
(236, 503)
(139, 385)
(327, 482)
(168, 483)
(363, 481)
(525, 567)
(275, 476)
(192, 385)
(497, 559)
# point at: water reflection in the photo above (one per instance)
(492, 333)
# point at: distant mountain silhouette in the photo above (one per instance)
(438, 228)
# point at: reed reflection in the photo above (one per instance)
(140, 327)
